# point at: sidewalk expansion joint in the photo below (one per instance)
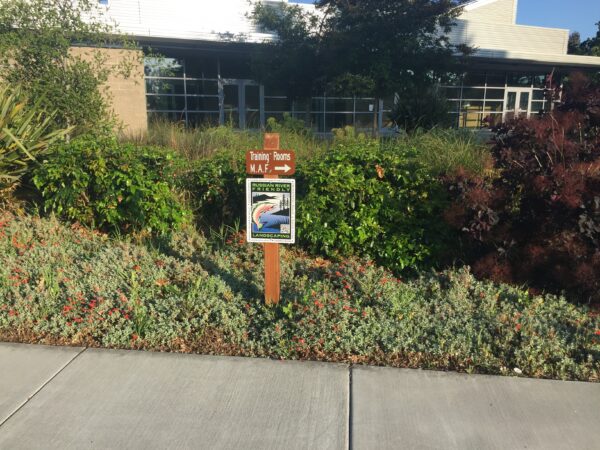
(42, 386)
(350, 407)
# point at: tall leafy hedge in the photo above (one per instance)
(370, 199)
(116, 187)
(360, 198)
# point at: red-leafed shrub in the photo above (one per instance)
(538, 222)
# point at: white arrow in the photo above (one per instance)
(285, 168)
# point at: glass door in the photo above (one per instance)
(252, 106)
(231, 104)
(242, 104)
(517, 103)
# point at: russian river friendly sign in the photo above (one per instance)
(271, 210)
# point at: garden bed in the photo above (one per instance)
(68, 285)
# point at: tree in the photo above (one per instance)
(361, 47)
(574, 43)
(589, 47)
(291, 62)
(37, 39)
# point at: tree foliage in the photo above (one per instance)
(372, 47)
(37, 38)
(589, 47)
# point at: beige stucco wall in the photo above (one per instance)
(127, 95)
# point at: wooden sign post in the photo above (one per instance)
(271, 208)
(272, 266)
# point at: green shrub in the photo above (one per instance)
(365, 199)
(120, 188)
(217, 186)
(359, 198)
(69, 285)
(25, 135)
(288, 124)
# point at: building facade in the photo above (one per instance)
(204, 76)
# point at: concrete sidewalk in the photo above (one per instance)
(73, 398)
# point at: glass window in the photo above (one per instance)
(252, 120)
(252, 97)
(524, 101)
(494, 106)
(164, 86)
(367, 105)
(203, 103)
(317, 122)
(469, 119)
(472, 106)
(340, 104)
(474, 79)
(496, 79)
(494, 94)
(165, 102)
(202, 87)
(473, 94)
(519, 79)
(539, 81)
(452, 93)
(235, 68)
(538, 94)
(453, 105)
(317, 104)
(338, 120)
(277, 104)
(163, 67)
(537, 106)
(201, 67)
(511, 101)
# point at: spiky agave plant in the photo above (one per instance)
(25, 134)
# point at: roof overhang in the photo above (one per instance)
(536, 59)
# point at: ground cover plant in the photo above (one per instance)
(69, 285)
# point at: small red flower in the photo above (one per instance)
(518, 327)
(126, 316)
(137, 268)
(597, 333)
(338, 273)
(134, 337)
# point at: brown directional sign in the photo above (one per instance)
(270, 162)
